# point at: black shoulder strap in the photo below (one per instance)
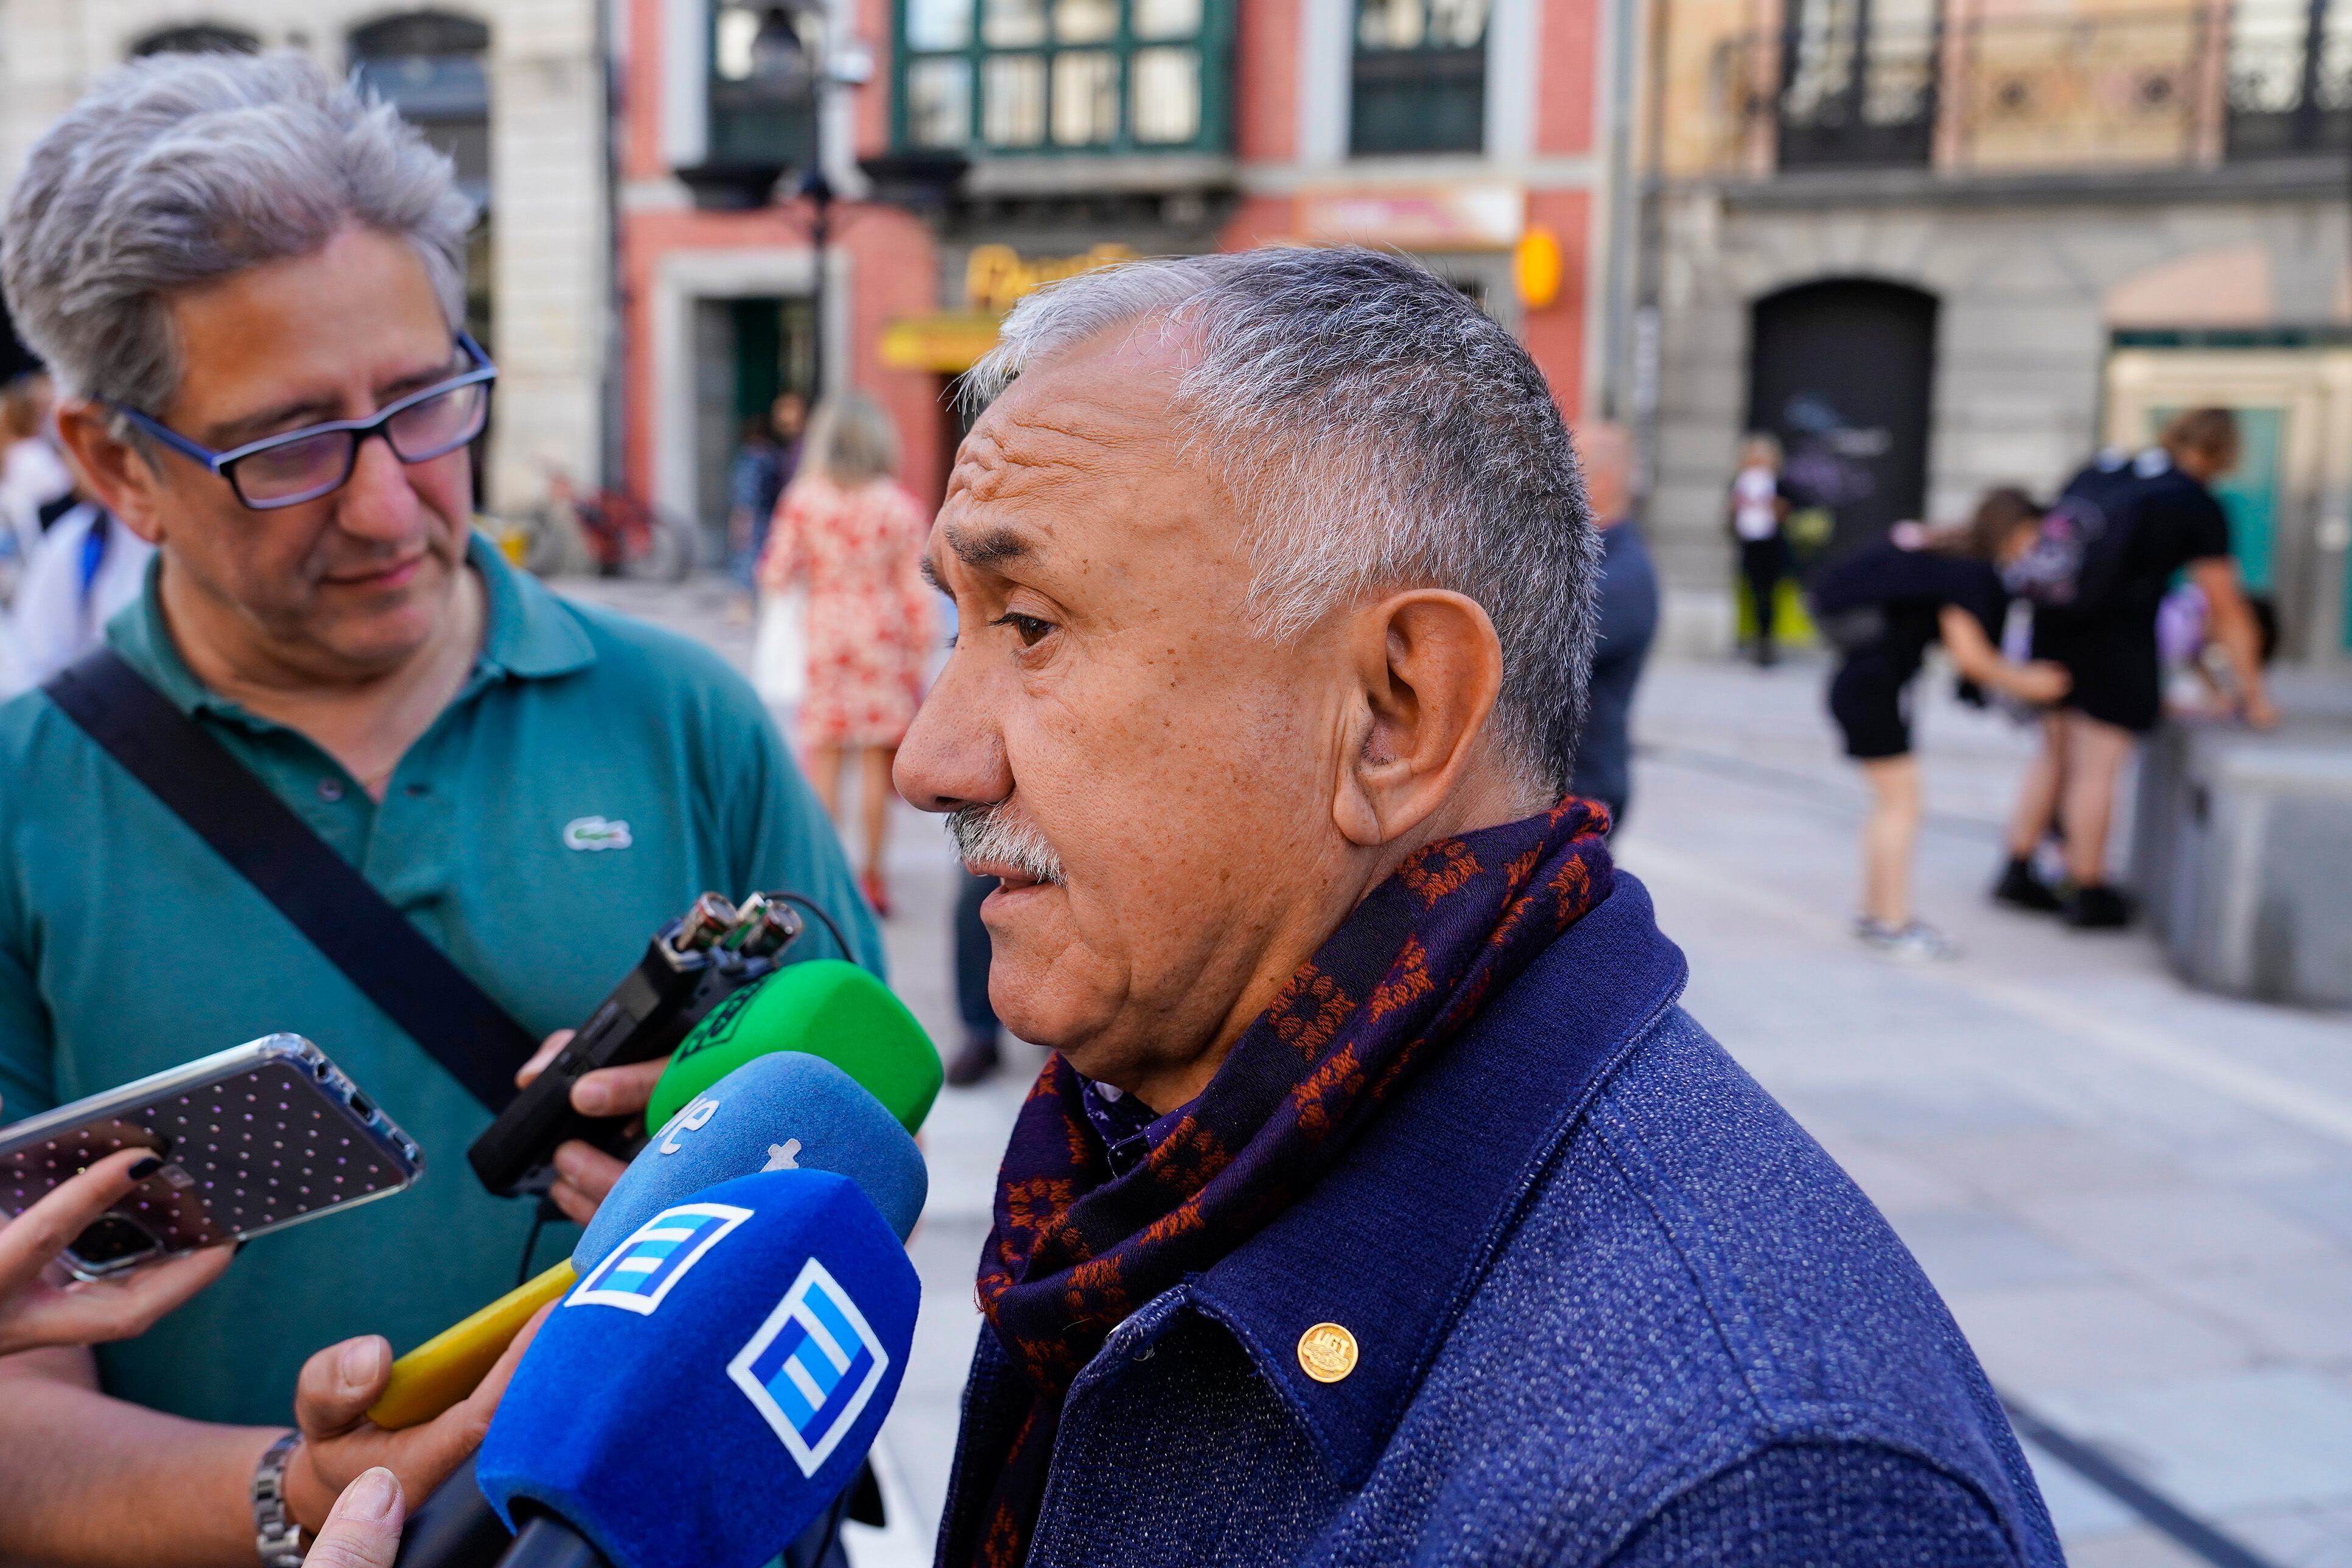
(317, 890)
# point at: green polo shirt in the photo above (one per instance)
(127, 946)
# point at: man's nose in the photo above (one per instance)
(378, 502)
(953, 755)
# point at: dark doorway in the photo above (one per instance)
(746, 352)
(1842, 372)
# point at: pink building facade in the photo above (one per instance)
(1469, 133)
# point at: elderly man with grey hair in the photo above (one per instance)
(1379, 1203)
(250, 283)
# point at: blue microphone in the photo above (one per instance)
(708, 1389)
(787, 1107)
(784, 1111)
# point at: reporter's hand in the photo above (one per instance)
(584, 1174)
(2259, 710)
(36, 1309)
(363, 1531)
(2042, 681)
(339, 1441)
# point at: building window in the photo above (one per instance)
(1420, 77)
(2290, 77)
(200, 39)
(1063, 76)
(431, 67)
(434, 68)
(1858, 82)
(762, 84)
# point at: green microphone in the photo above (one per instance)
(825, 1008)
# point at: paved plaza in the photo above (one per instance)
(2136, 1198)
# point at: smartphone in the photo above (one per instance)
(252, 1139)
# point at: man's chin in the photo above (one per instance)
(1011, 901)
(370, 625)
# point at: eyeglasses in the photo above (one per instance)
(318, 459)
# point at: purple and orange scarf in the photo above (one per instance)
(1074, 1250)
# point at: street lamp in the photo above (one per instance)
(774, 66)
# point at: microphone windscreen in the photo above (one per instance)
(784, 1111)
(708, 1388)
(824, 1009)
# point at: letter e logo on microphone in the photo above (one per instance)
(812, 1366)
(642, 1270)
(693, 1119)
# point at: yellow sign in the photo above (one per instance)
(996, 277)
(948, 343)
(1537, 267)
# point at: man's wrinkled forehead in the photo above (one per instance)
(1082, 446)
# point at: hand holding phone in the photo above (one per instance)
(37, 1308)
(248, 1140)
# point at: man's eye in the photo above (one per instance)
(1028, 629)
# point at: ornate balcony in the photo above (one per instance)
(2143, 90)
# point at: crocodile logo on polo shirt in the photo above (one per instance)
(595, 833)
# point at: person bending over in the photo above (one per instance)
(2134, 525)
(1378, 1203)
(1883, 606)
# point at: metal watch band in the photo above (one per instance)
(275, 1535)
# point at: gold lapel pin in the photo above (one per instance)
(1327, 1352)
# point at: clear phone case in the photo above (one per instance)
(254, 1139)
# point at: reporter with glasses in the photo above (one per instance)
(250, 283)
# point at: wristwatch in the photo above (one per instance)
(275, 1533)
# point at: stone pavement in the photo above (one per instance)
(2136, 1198)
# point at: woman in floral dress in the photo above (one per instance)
(856, 536)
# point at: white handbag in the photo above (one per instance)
(780, 652)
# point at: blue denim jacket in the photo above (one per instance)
(1612, 1305)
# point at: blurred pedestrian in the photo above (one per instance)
(1626, 611)
(1757, 509)
(983, 1034)
(2129, 528)
(1881, 606)
(83, 569)
(764, 465)
(32, 473)
(848, 529)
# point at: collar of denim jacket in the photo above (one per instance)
(1394, 1242)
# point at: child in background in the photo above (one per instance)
(1881, 606)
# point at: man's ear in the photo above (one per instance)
(1427, 668)
(120, 476)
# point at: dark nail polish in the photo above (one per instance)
(146, 1168)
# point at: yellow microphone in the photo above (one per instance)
(447, 1367)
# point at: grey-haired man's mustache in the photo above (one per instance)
(993, 836)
